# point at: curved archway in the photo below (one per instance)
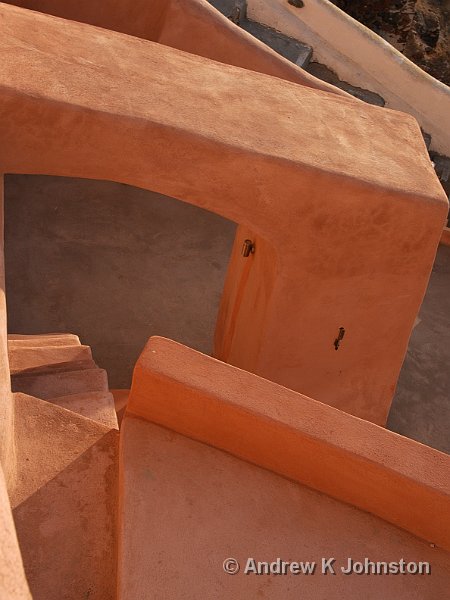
(320, 184)
(113, 264)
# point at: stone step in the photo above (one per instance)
(64, 502)
(292, 49)
(26, 358)
(232, 9)
(325, 74)
(98, 406)
(73, 365)
(16, 340)
(54, 385)
(304, 57)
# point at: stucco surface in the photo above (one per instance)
(343, 166)
(362, 58)
(7, 454)
(361, 463)
(190, 25)
(191, 506)
(20, 340)
(64, 501)
(53, 385)
(170, 286)
(81, 101)
(115, 264)
(162, 71)
(13, 585)
(98, 406)
(24, 359)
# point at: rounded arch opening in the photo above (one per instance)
(112, 263)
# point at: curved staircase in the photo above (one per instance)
(57, 368)
(63, 492)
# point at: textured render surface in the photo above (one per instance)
(85, 116)
(189, 25)
(344, 167)
(53, 385)
(19, 340)
(114, 263)
(13, 585)
(404, 482)
(7, 456)
(364, 59)
(191, 506)
(185, 251)
(189, 75)
(64, 502)
(98, 406)
(29, 358)
(421, 405)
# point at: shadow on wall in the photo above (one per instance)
(421, 407)
(113, 264)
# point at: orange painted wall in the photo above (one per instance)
(341, 196)
(345, 212)
(189, 25)
(7, 450)
(13, 585)
(395, 478)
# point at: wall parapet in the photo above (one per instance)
(364, 59)
(402, 481)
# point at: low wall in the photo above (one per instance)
(395, 478)
(339, 196)
(193, 26)
(364, 59)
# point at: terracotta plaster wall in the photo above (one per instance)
(7, 450)
(395, 478)
(139, 18)
(248, 290)
(364, 59)
(13, 585)
(341, 195)
(189, 25)
(186, 506)
(65, 501)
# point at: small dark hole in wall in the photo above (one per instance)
(296, 3)
(339, 338)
